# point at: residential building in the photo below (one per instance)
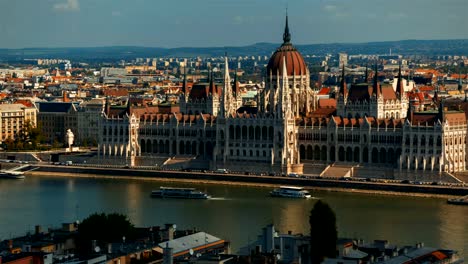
(55, 118)
(13, 118)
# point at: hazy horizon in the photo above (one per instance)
(239, 46)
(220, 23)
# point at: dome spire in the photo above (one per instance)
(286, 35)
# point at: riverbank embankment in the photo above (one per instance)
(249, 180)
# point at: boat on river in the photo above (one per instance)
(10, 174)
(182, 193)
(458, 201)
(290, 192)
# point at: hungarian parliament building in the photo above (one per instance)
(373, 124)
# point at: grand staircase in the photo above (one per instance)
(337, 171)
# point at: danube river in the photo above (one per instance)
(237, 213)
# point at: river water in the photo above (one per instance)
(237, 213)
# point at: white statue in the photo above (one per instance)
(69, 137)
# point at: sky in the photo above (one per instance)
(209, 23)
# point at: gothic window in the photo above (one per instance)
(415, 140)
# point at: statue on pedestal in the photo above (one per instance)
(69, 137)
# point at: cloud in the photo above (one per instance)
(69, 5)
(397, 16)
(238, 20)
(329, 8)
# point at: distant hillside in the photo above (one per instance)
(405, 47)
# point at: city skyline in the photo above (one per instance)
(209, 23)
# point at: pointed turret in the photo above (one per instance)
(376, 86)
(128, 109)
(107, 106)
(343, 87)
(366, 76)
(460, 82)
(184, 85)
(236, 89)
(283, 91)
(227, 92)
(212, 84)
(286, 34)
(399, 88)
(435, 99)
(410, 113)
(441, 110)
(287, 107)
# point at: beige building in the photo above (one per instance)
(13, 117)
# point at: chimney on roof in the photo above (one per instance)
(170, 229)
(258, 249)
(167, 255)
(38, 229)
(65, 98)
(10, 244)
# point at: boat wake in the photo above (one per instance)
(219, 199)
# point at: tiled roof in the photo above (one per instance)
(327, 103)
(197, 240)
(54, 107)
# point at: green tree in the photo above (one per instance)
(323, 232)
(104, 228)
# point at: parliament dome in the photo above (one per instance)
(295, 64)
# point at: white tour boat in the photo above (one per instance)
(10, 174)
(185, 193)
(290, 192)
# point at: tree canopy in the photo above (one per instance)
(104, 228)
(323, 232)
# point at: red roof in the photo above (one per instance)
(26, 103)
(295, 64)
(327, 103)
(324, 91)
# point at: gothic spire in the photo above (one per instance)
(286, 35)
(236, 85)
(343, 88)
(184, 86)
(212, 83)
(376, 82)
(460, 83)
(399, 88)
(367, 74)
(227, 92)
